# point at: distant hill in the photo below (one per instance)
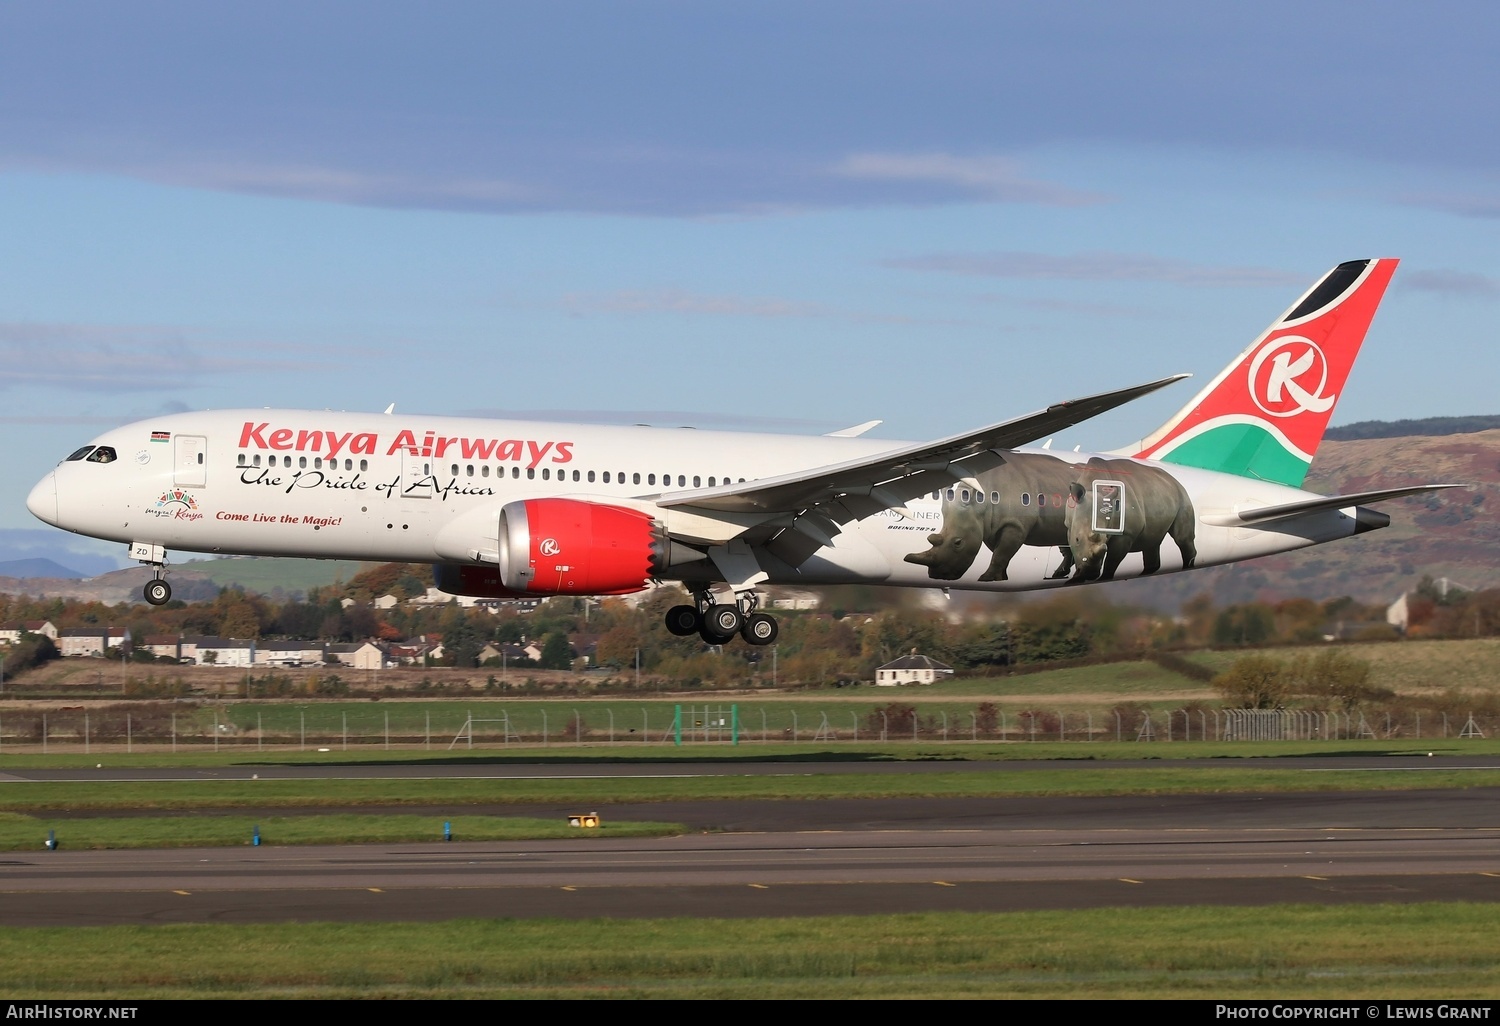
(192, 582)
(1429, 427)
(38, 567)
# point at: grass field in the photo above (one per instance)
(1407, 667)
(1163, 778)
(20, 832)
(1445, 951)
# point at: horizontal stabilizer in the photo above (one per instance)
(1263, 514)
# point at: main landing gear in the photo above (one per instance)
(718, 623)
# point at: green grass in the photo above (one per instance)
(1411, 667)
(266, 574)
(1164, 778)
(1364, 952)
(25, 833)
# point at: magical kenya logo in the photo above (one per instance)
(177, 504)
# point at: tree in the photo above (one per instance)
(557, 654)
(1255, 682)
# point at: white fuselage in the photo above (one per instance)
(421, 489)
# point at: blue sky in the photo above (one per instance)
(779, 216)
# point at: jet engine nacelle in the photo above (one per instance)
(574, 547)
(470, 581)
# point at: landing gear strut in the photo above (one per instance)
(718, 623)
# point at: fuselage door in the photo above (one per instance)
(191, 467)
(417, 480)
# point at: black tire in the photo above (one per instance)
(760, 629)
(683, 621)
(711, 638)
(158, 593)
(725, 621)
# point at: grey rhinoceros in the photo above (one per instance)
(1106, 523)
(1023, 503)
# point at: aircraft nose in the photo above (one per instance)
(43, 499)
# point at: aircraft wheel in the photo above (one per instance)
(725, 621)
(711, 637)
(760, 629)
(683, 621)
(158, 592)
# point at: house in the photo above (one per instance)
(10, 633)
(365, 655)
(212, 651)
(93, 641)
(911, 669)
(289, 653)
(167, 646)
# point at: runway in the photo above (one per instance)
(851, 856)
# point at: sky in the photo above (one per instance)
(785, 217)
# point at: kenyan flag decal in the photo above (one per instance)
(1264, 416)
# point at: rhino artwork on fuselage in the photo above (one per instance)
(1121, 506)
(1021, 502)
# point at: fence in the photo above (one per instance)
(449, 726)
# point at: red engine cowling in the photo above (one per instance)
(572, 547)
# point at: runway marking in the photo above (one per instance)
(182, 892)
(1315, 878)
(1489, 874)
(944, 883)
(760, 887)
(569, 888)
(1126, 879)
(374, 890)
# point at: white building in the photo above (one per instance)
(911, 669)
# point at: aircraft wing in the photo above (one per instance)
(1267, 514)
(890, 479)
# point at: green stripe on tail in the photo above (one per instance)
(1243, 449)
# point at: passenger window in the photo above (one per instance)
(257, 459)
(531, 473)
(515, 472)
(469, 470)
(950, 494)
(636, 478)
(81, 453)
(318, 463)
(200, 459)
(994, 496)
(364, 464)
(1041, 498)
(963, 496)
(979, 497)
(606, 477)
(697, 481)
(575, 475)
(710, 482)
(241, 463)
(651, 479)
(546, 474)
(484, 471)
(591, 477)
(301, 461)
(1026, 498)
(681, 480)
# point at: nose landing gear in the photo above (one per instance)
(157, 591)
(718, 623)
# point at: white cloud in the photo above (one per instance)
(993, 178)
(1450, 282)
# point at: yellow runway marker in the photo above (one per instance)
(944, 883)
(1126, 879)
(182, 892)
(374, 890)
(1315, 878)
(570, 888)
(760, 887)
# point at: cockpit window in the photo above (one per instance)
(80, 454)
(103, 454)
